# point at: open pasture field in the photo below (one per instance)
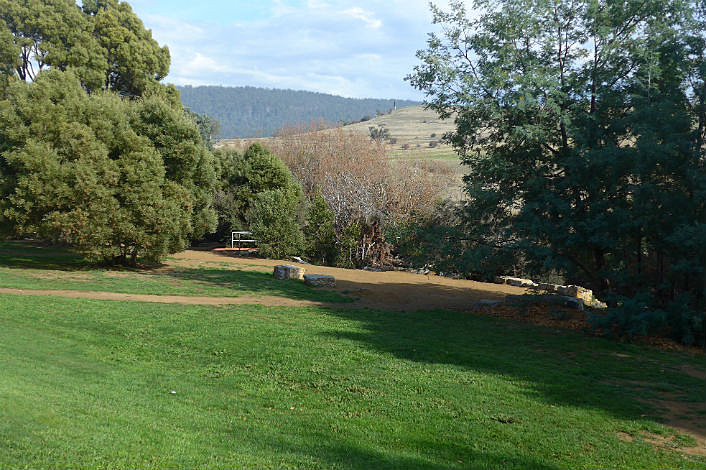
(413, 127)
(343, 381)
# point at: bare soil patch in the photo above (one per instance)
(268, 301)
(389, 290)
(685, 417)
(664, 442)
(68, 276)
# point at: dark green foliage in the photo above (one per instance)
(636, 315)
(379, 133)
(584, 160)
(255, 112)
(348, 255)
(135, 62)
(186, 160)
(113, 178)
(319, 232)
(208, 127)
(259, 193)
(272, 218)
(103, 42)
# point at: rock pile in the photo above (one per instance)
(571, 291)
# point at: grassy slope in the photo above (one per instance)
(87, 384)
(413, 126)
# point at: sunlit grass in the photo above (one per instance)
(88, 384)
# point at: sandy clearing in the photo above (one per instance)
(389, 290)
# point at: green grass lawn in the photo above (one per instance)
(87, 384)
(24, 266)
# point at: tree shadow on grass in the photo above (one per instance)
(331, 452)
(562, 366)
(255, 282)
(35, 255)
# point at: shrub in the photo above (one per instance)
(319, 232)
(360, 184)
(243, 176)
(114, 178)
(272, 218)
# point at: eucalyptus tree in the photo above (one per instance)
(581, 123)
(94, 150)
(102, 41)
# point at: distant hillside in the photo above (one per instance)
(259, 112)
(414, 132)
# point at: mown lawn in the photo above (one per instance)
(88, 384)
(24, 266)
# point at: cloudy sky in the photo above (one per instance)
(359, 49)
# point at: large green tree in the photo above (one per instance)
(94, 151)
(117, 179)
(582, 127)
(102, 41)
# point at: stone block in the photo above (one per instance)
(319, 280)
(288, 271)
(519, 282)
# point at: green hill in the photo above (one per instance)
(259, 112)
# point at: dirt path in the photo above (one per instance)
(391, 290)
(268, 301)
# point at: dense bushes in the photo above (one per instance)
(94, 151)
(258, 193)
(116, 179)
(366, 191)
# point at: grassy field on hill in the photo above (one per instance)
(88, 383)
(414, 128)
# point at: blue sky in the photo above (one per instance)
(351, 48)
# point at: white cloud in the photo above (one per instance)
(360, 50)
(363, 15)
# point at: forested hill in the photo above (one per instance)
(259, 112)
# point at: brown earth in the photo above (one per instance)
(389, 290)
(268, 301)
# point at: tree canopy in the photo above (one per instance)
(116, 179)
(94, 151)
(103, 42)
(582, 127)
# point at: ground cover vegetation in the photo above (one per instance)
(582, 126)
(94, 151)
(102, 384)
